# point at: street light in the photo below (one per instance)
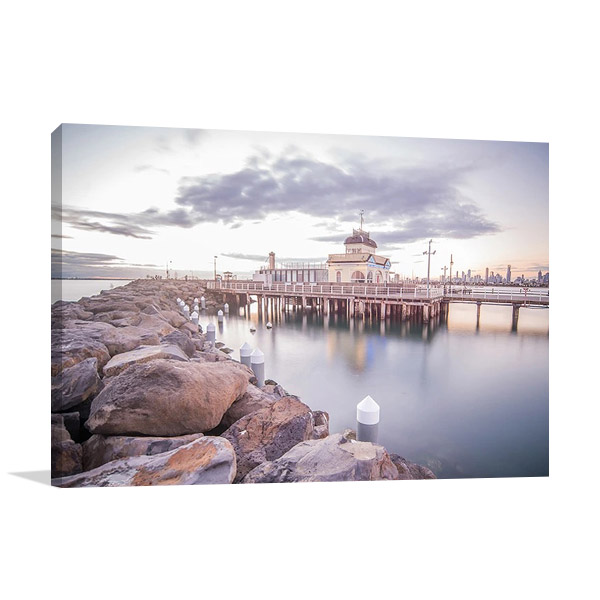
(429, 253)
(215, 270)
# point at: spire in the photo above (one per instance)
(362, 212)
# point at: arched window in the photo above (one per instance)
(370, 277)
(338, 277)
(378, 280)
(358, 277)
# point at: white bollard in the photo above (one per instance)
(196, 307)
(226, 307)
(210, 334)
(194, 317)
(186, 311)
(367, 418)
(195, 300)
(220, 316)
(178, 300)
(245, 352)
(203, 302)
(257, 363)
(269, 325)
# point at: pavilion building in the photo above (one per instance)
(360, 263)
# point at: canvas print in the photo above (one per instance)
(236, 307)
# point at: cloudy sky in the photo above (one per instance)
(134, 198)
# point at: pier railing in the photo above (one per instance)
(329, 289)
(539, 296)
(523, 295)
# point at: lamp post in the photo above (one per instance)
(429, 253)
(169, 262)
(215, 265)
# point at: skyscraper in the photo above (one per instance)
(508, 274)
(539, 277)
(487, 274)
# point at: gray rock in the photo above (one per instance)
(100, 449)
(167, 398)
(205, 460)
(65, 454)
(182, 340)
(252, 400)
(71, 346)
(410, 470)
(266, 434)
(334, 458)
(118, 363)
(74, 384)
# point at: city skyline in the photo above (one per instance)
(136, 199)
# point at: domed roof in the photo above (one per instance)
(360, 237)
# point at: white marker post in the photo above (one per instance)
(220, 316)
(226, 308)
(195, 300)
(245, 353)
(367, 418)
(196, 307)
(257, 362)
(186, 311)
(194, 317)
(203, 302)
(210, 334)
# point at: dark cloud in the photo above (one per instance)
(90, 264)
(117, 224)
(411, 202)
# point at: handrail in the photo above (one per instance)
(392, 292)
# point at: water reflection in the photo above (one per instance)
(468, 400)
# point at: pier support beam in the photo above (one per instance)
(515, 316)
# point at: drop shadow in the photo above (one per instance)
(37, 476)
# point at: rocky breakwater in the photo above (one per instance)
(140, 398)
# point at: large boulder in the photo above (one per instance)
(181, 339)
(167, 398)
(70, 346)
(65, 454)
(204, 460)
(118, 363)
(175, 319)
(116, 339)
(266, 434)
(74, 384)
(410, 470)
(252, 400)
(337, 457)
(100, 449)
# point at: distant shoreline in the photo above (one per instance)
(93, 278)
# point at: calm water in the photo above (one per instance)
(466, 401)
(75, 289)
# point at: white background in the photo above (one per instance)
(503, 71)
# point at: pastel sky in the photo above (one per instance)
(134, 198)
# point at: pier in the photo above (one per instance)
(372, 301)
